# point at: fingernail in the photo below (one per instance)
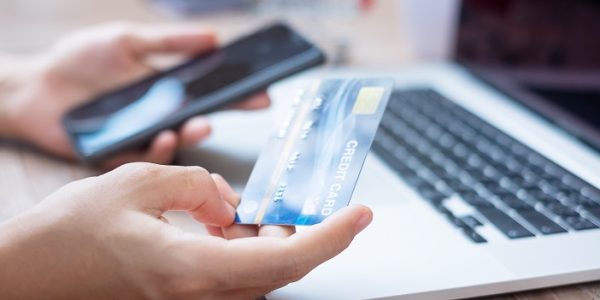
(364, 221)
(200, 122)
(237, 201)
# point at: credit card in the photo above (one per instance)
(310, 165)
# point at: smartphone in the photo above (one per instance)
(131, 116)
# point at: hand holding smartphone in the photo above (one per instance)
(131, 116)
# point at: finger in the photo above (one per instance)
(226, 190)
(276, 231)
(193, 131)
(214, 231)
(239, 231)
(162, 149)
(156, 189)
(235, 231)
(182, 40)
(269, 261)
(258, 101)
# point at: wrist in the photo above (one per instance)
(17, 236)
(34, 246)
(10, 86)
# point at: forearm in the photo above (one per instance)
(35, 259)
(19, 260)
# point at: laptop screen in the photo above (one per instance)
(546, 51)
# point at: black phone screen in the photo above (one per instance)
(121, 114)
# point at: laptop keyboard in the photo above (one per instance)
(475, 175)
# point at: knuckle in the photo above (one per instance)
(339, 242)
(136, 168)
(78, 187)
(120, 32)
(120, 27)
(336, 239)
(175, 286)
(196, 176)
(197, 170)
(179, 279)
(137, 173)
(292, 270)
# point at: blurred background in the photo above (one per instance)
(370, 33)
(357, 33)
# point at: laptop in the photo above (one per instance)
(484, 175)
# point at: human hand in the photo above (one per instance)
(106, 237)
(93, 61)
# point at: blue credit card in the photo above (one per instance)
(310, 165)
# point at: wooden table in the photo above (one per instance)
(28, 26)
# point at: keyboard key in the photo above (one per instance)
(591, 193)
(553, 170)
(516, 203)
(476, 161)
(549, 187)
(474, 236)
(561, 210)
(447, 213)
(541, 222)
(483, 146)
(504, 140)
(383, 153)
(536, 160)
(579, 223)
(447, 141)
(433, 132)
(497, 154)
(431, 194)
(540, 196)
(461, 151)
(476, 200)
(492, 174)
(513, 165)
(521, 182)
(505, 224)
(471, 221)
(467, 179)
(440, 172)
(488, 130)
(573, 181)
(583, 201)
(530, 176)
(456, 221)
(595, 212)
(458, 186)
(496, 189)
(520, 151)
(415, 181)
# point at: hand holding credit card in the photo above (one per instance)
(310, 165)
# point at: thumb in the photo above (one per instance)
(267, 261)
(325, 240)
(178, 40)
